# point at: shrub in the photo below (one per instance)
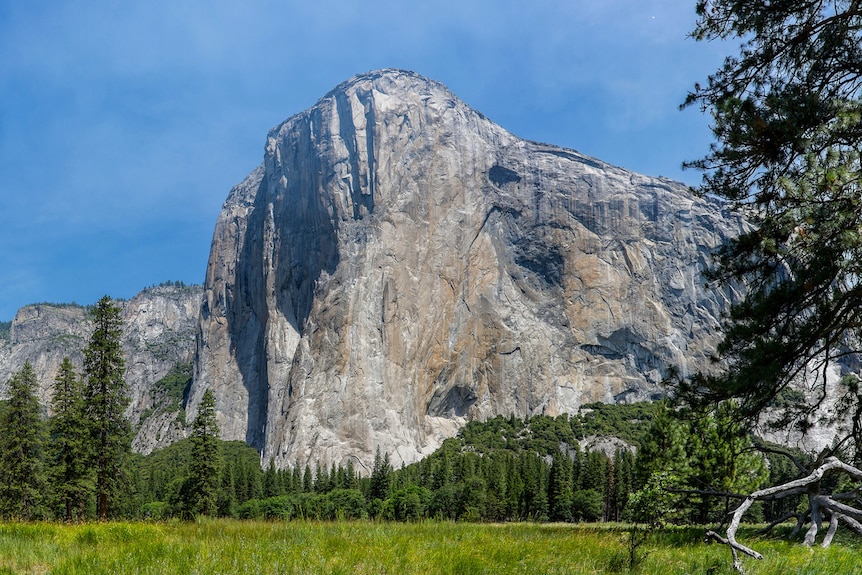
(343, 504)
(249, 510)
(587, 505)
(407, 504)
(276, 508)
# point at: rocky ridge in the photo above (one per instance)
(399, 265)
(159, 334)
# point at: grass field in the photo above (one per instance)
(229, 547)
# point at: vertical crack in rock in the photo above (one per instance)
(361, 175)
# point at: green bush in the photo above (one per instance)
(343, 504)
(407, 504)
(275, 508)
(249, 510)
(587, 505)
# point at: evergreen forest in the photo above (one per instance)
(503, 469)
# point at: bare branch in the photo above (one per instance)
(853, 524)
(833, 527)
(803, 517)
(817, 504)
(734, 548)
(835, 507)
(763, 448)
(779, 521)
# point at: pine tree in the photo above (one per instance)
(663, 449)
(624, 467)
(295, 479)
(442, 473)
(227, 492)
(106, 397)
(721, 459)
(22, 441)
(254, 476)
(242, 485)
(307, 480)
(205, 463)
(594, 471)
(529, 469)
(351, 480)
(787, 113)
(474, 495)
(560, 488)
(271, 484)
(540, 502)
(284, 478)
(514, 490)
(494, 474)
(610, 505)
(701, 453)
(381, 477)
(321, 479)
(69, 451)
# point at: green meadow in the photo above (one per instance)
(255, 547)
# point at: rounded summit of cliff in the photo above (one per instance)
(391, 79)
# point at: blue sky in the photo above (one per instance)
(124, 124)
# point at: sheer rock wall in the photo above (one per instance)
(399, 264)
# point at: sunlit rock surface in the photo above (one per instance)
(159, 332)
(399, 264)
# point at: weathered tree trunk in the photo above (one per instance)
(818, 504)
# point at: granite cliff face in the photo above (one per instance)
(399, 264)
(159, 333)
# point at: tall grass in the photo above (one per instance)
(234, 547)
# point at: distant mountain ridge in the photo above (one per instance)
(160, 325)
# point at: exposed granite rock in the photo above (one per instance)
(399, 264)
(607, 444)
(44, 334)
(831, 420)
(159, 332)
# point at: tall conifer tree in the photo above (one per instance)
(205, 458)
(560, 487)
(381, 477)
(787, 120)
(22, 476)
(106, 396)
(69, 451)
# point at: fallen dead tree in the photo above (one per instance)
(820, 506)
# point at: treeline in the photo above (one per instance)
(460, 481)
(503, 469)
(78, 465)
(173, 284)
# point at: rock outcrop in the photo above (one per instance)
(159, 333)
(44, 334)
(399, 264)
